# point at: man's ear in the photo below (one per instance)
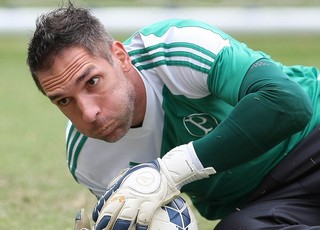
(121, 54)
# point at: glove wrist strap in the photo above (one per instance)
(180, 166)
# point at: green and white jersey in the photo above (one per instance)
(193, 74)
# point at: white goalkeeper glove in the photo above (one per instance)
(82, 221)
(142, 189)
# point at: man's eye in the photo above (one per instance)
(93, 81)
(64, 101)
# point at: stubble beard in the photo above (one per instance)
(128, 115)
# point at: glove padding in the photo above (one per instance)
(82, 221)
(133, 199)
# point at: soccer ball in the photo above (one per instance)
(176, 215)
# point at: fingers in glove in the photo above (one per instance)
(82, 221)
(109, 192)
(145, 214)
(100, 204)
(141, 227)
(107, 216)
(103, 223)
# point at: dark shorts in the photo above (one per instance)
(289, 198)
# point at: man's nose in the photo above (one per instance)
(89, 109)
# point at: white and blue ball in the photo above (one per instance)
(176, 215)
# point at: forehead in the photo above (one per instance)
(65, 66)
(66, 58)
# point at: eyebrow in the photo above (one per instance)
(78, 80)
(85, 73)
(53, 97)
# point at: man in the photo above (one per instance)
(194, 109)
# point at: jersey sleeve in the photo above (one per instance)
(193, 59)
(271, 107)
(229, 70)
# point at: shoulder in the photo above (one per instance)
(181, 52)
(162, 27)
(179, 32)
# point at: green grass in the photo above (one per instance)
(36, 190)
(290, 49)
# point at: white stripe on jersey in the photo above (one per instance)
(210, 40)
(180, 60)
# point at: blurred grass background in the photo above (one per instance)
(36, 190)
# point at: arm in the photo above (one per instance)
(271, 107)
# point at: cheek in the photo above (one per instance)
(81, 126)
(72, 114)
(65, 112)
(124, 99)
(117, 98)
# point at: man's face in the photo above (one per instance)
(95, 95)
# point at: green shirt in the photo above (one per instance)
(243, 111)
(198, 109)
